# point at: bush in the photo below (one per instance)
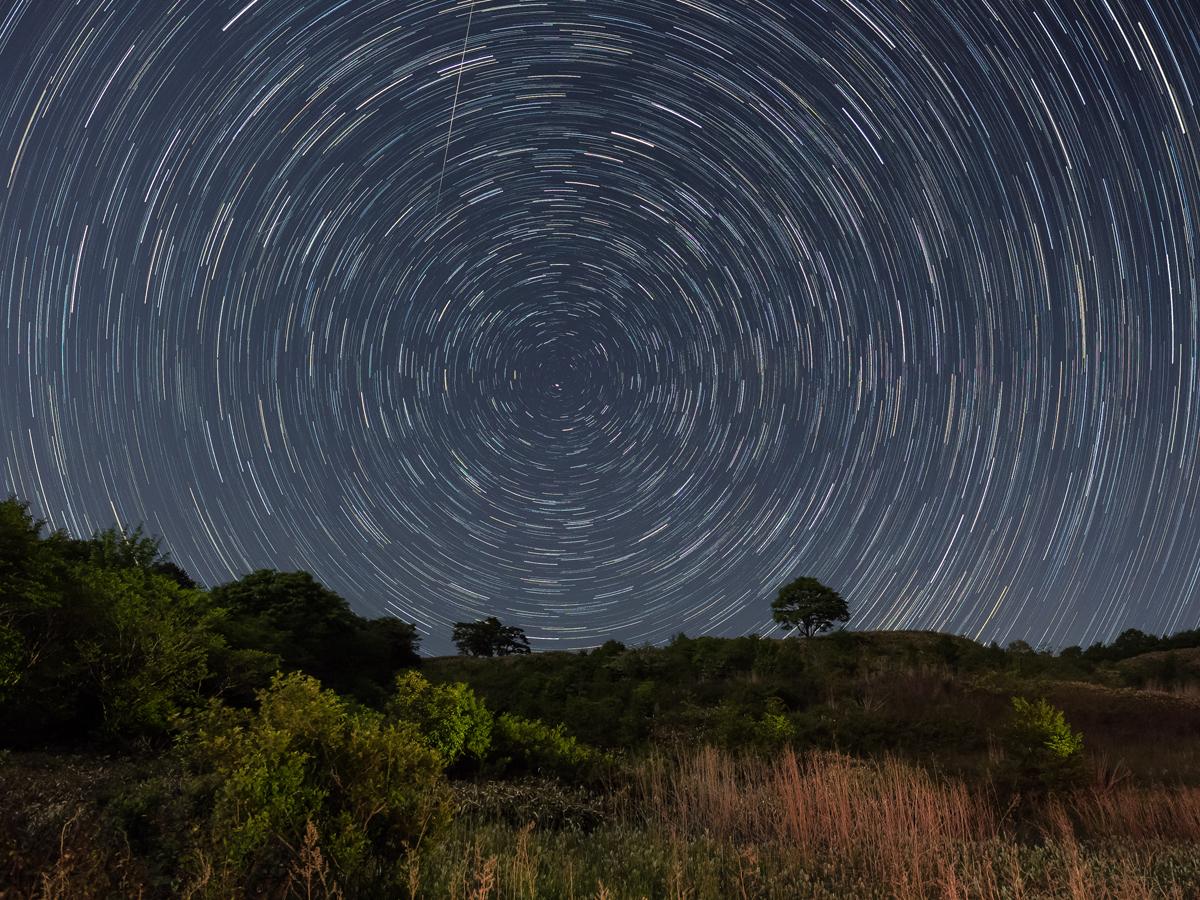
(527, 745)
(1042, 749)
(371, 787)
(449, 717)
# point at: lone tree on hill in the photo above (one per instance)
(808, 606)
(489, 638)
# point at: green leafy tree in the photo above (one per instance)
(146, 657)
(33, 570)
(295, 617)
(530, 745)
(809, 607)
(489, 637)
(309, 628)
(449, 717)
(92, 639)
(121, 547)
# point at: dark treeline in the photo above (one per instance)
(106, 636)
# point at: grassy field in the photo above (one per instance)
(703, 825)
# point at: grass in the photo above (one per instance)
(701, 824)
(715, 825)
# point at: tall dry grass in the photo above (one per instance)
(1133, 814)
(893, 823)
(899, 829)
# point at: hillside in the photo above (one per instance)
(921, 694)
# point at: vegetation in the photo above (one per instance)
(809, 607)
(489, 637)
(306, 760)
(1042, 747)
(260, 739)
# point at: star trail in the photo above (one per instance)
(609, 317)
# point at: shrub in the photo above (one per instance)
(371, 787)
(1042, 749)
(449, 717)
(528, 745)
(773, 728)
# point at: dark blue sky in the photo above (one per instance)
(608, 318)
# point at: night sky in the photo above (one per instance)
(609, 317)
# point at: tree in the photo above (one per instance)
(92, 637)
(125, 548)
(489, 638)
(808, 606)
(145, 655)
(309, 628)
(1132, 642)
(294, 616)
(386, 646)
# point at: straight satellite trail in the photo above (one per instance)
(625, 317)
(453, 109)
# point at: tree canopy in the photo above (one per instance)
(106, 637)
(808, 606)
(489, 637)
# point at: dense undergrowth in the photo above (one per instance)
(260, 739)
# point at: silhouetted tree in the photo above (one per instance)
(808, 606)
(1132, 641)
(489, 637)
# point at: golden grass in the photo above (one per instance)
(890, 821)
(910, 834)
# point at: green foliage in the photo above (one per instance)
(749, 726)
(147, 656)
(1042, 748)
(31, 565)
(372, 787)
(528, 745)
(449, 717)
(809, 607)
(774, 728)
(311, 629)
(122, 548)
(106, 636)
(489, 637)
(92, 638)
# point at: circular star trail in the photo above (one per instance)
(608, 318)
